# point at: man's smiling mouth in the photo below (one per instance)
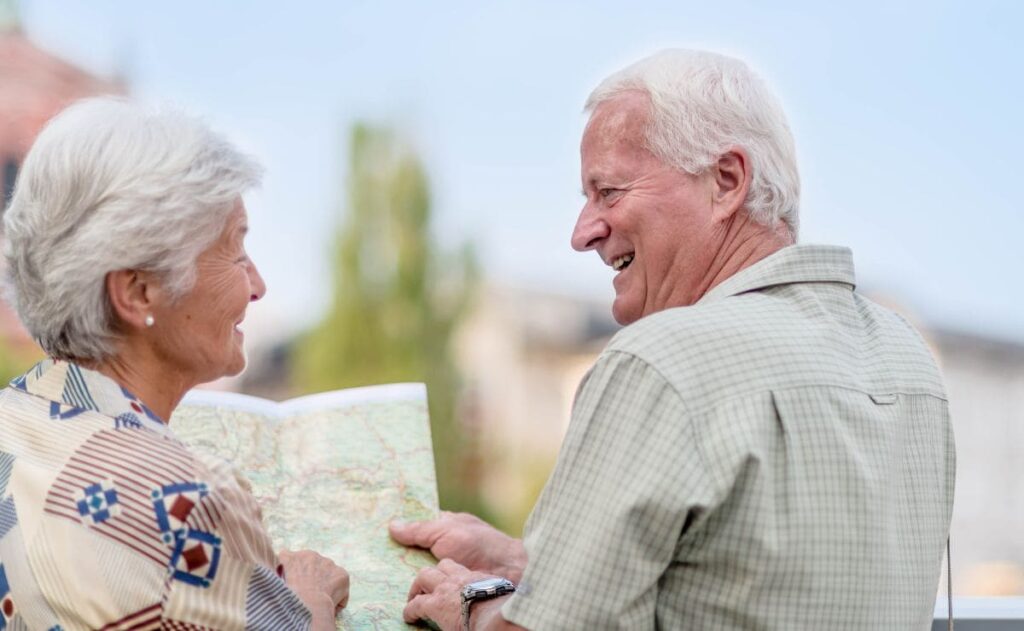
(622, 262)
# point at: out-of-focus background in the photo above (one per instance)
(423, 180)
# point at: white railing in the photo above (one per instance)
(982, 614)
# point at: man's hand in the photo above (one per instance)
(436, 595)
(319, 583)
(467, 540)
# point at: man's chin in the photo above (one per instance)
(624, 314)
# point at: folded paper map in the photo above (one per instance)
(329, 472)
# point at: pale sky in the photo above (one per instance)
(908, 124)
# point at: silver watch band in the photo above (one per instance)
(466, 604)
(483, 590)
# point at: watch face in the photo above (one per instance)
(488, 584)
(487, 588)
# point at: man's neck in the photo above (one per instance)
(137, 371)
(745, 242)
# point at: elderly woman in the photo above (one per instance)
(124, 246)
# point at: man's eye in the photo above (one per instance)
(606, 192)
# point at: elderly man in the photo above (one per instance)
(761, 447)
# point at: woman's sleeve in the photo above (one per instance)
(119, 528)
(224, 564)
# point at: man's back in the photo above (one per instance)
(798, 460)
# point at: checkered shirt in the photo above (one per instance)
(777, 456)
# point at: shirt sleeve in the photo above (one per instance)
(607, 524)
(241, 580)
(127, 529)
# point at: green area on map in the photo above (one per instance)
(330, 480)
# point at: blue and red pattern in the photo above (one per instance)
(7, 609)
(195, 558)
(173, 504)
(139, 462)
(98, 502)
(112, 470)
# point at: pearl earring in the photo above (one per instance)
(150, 321)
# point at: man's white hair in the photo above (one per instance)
(702, 104)
(109, 185)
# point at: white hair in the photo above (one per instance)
(701, 104)
(109, 185)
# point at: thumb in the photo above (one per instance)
(401, 531)
(417, 533)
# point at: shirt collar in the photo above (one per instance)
(71, 387)
(793, 264)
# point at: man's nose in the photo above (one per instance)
(590, 229)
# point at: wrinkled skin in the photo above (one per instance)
(319, 583)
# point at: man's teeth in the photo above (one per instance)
(621, 262)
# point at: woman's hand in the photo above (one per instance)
(320, 584)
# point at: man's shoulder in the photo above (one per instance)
(790, 336)
(692, 318)
(700, 330)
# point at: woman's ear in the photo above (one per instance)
(731, 180)
(131, 295)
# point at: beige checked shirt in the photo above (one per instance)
(777, 456)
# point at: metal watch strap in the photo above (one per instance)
(467, 609)
(466, 604)
(483, 590)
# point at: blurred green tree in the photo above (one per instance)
(396, 299)
(13, 363)
(17, 352)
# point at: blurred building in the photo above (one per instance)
(34, 86)
(985, 382)
(523, 353)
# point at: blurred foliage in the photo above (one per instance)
(16, 359)
(528, 474)
(396, 301)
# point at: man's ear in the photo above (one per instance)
(731, 182)
(131, 295)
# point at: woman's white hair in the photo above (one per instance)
(110, 185)
(701, 105)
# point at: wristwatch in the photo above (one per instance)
(483, 590)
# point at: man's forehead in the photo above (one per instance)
(629, 109)
(618, 120)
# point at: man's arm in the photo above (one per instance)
(487, 617)
(609, 521)
(436, 596)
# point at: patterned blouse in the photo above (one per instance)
(107, 521)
